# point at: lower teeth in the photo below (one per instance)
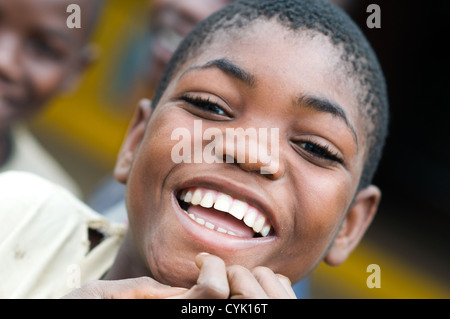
(208, 224)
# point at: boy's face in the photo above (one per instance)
(271, 80)
(39, 54)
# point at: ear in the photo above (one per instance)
(132, 141)
(354, 226)
(89, 55)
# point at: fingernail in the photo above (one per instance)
(199, 258)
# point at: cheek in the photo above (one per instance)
(321, 202)
(155, 235)
(148, 177)
(152, 162)
(328, 201)
(44, 81)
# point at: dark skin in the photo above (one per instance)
(310, 200)
(39, 57)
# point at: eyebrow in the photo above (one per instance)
(227, 67)
(326, 106)
(316, 103)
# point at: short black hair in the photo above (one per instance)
(315, 15)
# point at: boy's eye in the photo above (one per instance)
(205, 104)
(321, 152)
(43, 49)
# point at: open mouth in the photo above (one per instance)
(223, 213)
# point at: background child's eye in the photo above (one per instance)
(320, 151)
(43, 49)
(204, 104)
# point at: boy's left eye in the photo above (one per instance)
(320, 152)
(204, 104)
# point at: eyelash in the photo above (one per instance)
(205, 104)
(321, 151)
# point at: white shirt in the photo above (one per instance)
(44, 244)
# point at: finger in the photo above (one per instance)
(135, 288)
(212, 282)
(243, 285)
(146, 288)
(287, 284)
(275, 286)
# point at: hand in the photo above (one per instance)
(215, 281)
(236, 282)
(135, 288)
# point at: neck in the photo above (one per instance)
(128, 263)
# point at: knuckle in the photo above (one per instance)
(261, 271)
(236, 270)
(285, 279)
(213, 289)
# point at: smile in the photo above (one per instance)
(223, 213)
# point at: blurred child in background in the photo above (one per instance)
(170, 22)
(40, 57)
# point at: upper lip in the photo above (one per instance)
(236, 190)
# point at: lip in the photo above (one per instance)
(214, 239)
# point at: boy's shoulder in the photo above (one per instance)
(24, 195)
(44, 243)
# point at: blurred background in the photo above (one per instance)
(410, 236)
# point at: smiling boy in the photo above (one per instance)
(40, 57)
(226, 229)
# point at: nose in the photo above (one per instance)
(10, 70)
(252, 150)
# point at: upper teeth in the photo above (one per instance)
(252, 217)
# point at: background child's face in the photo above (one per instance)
(171, 21)
(39, 54)
(282, 82)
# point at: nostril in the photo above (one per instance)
(229, 159)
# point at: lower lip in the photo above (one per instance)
(213, 239)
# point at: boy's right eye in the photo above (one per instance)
(205, 104)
